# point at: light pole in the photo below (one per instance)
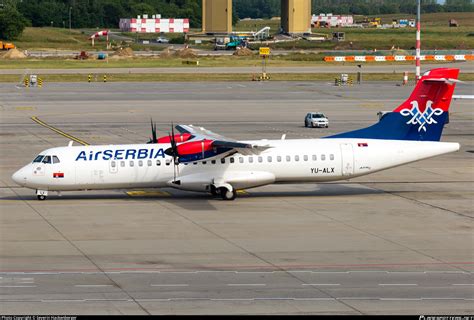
(418, 41)
(70, 8)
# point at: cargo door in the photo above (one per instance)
(347, 158)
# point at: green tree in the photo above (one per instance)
(12, 23)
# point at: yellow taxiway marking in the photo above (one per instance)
(25, 108)
(142, 193)
(64, 134)
(242, 192)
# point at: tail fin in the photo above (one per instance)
(421, 117)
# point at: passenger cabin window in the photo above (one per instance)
(223, 160)
(204, 162)
(140, 163)
(132, 163)
(241, 159)
(55, 159)
(113, 164)
(47, 159)
(279, 158)
(250, 159)
(269, 159)
(260, 159)
(213, 161)
(331, 157)
(315, 157)
(158, 162)
(232, 160)
(323, 157)
(305, 158)
(149, 163)
(288, 158)
(122, 163)
(38, 158)
(297, 158)
(168, 162)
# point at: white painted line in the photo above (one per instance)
(443, 299)
(463, 284)
(58, 300)
(400, 299)
(398, 284)
(93, 285)
(462, 272)
(321, 284)
(169, 285)
(17, 286)
(368, 271)
(337, 272)
(246, 284)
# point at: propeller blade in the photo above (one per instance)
(153, 138)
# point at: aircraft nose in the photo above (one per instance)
(19, 177)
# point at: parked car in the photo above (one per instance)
(162, 40)
(316, 120)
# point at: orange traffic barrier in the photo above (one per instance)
(329, 59)
(429, 58)
(410, 58)
(369, 58)
(449, 58)
(389, 58)
(350, 58)
(469, 56)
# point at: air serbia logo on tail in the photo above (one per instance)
(422, 118)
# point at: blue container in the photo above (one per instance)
(101, 56)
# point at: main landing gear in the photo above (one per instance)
(227, 194)
(224, 192)
(41, 194)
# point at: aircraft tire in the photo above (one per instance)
(41, 197)
(227, 194)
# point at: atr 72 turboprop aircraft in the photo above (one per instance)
(200, 160)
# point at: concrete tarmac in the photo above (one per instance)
(398, 241)
(465, 67)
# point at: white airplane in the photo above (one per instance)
(200, 160)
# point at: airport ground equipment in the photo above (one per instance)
(6, 45)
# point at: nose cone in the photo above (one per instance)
(20, 177)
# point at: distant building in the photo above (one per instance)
(331, 21)
(154, 25)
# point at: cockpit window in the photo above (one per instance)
(55, 159)
(47, 159)
(38, 158)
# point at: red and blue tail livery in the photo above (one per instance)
(421, 117)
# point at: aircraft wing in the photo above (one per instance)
(219, 141)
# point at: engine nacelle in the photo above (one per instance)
(177, 137)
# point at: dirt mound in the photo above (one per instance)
(166, 54)
(185, 53)
(14, 54)
(243, 52)
(124, 52)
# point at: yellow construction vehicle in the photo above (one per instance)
(6, 45)
(372, 22)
